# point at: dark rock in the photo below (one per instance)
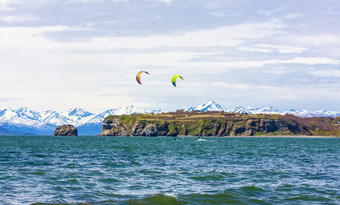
(222, 130)
(173, 133)
(237, 130)
(66, 130)
(138, 129)
(150, 131)
(163, 129)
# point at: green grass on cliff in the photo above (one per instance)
(211, 123)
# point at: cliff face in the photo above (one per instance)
(113, 127)
(66, 130)
(216, 124)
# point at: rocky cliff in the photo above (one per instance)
(66, 130)
(217, 124)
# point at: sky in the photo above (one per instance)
(60, 54)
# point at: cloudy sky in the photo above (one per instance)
(59, 54)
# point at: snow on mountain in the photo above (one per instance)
(239, 109)
(75, 116)
(250, 110)
(307, 113)
(26, 113)
(209, 106)
(25, 120)
(128, 110)
(101, 116)
(299, 113)
(265, 110)
(54, 118)
(326, 113)
(213, 106)
(303, 113)
(78, 116)
(20, 116)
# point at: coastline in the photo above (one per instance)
(286, 136)
(258, 136)
(192, 136)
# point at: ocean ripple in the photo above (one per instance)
(137, 170)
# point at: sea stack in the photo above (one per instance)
(66, 130)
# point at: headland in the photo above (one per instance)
(218, 124)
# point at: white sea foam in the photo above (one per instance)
(170, 195)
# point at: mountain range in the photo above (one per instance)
(26, 121)
(213, 106)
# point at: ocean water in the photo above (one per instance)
(137, 170)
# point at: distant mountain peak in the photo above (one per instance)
(78, 112)
(208, 106)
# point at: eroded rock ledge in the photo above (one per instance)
(216, 124)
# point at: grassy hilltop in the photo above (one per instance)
(217, 124)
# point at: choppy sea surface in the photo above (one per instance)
(137, 170)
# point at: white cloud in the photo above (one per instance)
(18, 18)
(283, 48)
(163, 1)
(244, 86)
(228, 36)
(9, 99)
(23, 37)
(317, 40)
(270, 12)
(266, 48)
(294, 16)
(311, 61)
(95, 1)
(7, 4)
(221, 13)
(326, 73)
(246, 48)
(217, 67)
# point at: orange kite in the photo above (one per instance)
(138, 76)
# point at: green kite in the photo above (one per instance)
(174, 78)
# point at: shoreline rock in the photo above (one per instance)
(66, 130)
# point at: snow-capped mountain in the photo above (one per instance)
(306, 113)
(54, 118)
(209, 106)
(21, 115)
(265, 110)
(24, 120)
(128, 110)
(77, 114)
(239, 109)
(101, 116)
(213, 106)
